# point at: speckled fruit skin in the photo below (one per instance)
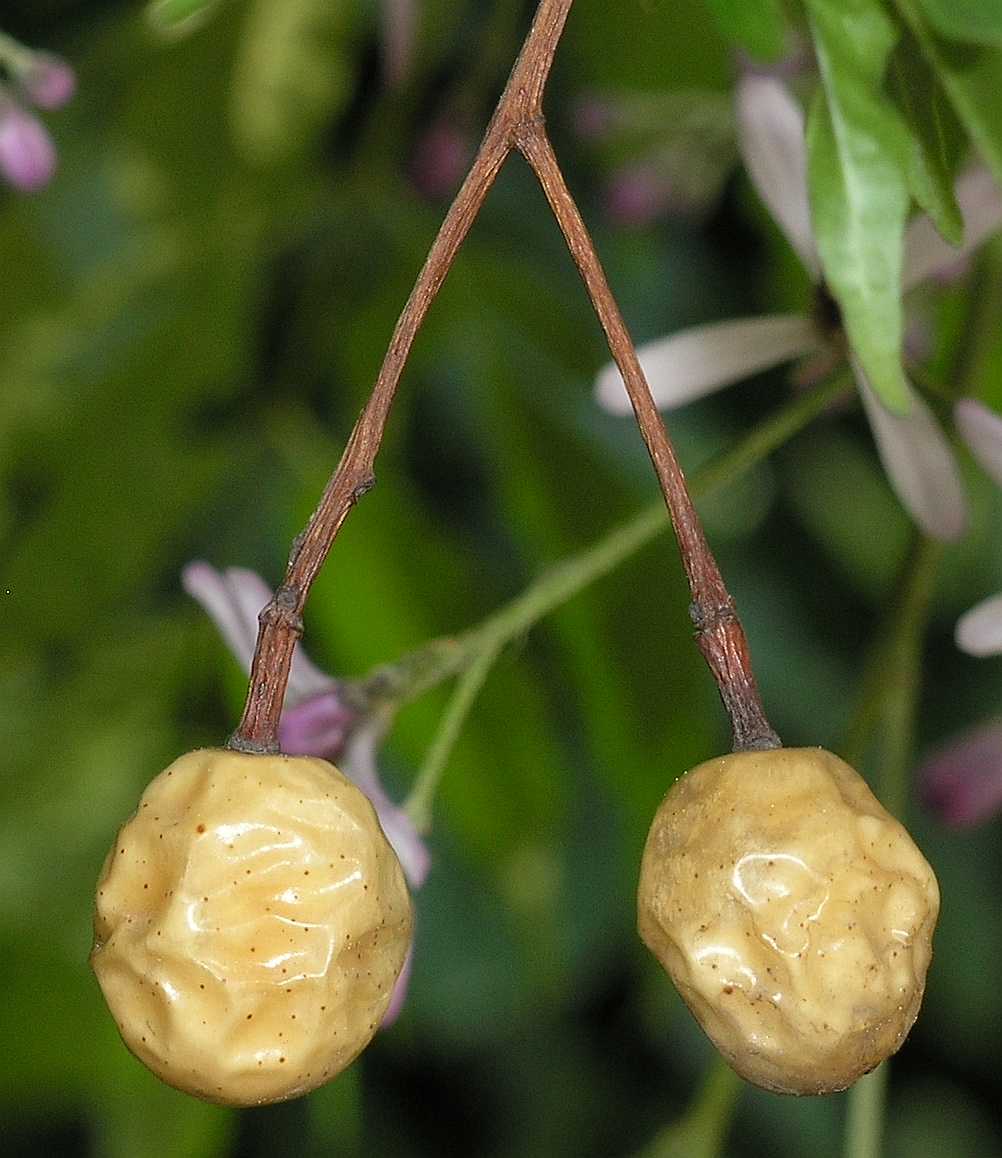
(251, 922)
(793, 913)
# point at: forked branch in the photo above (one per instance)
(517, 124)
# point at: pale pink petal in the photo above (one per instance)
(771, 140)
(981, 429)
(703, 359)
(318, 725)
(927, 254)
(411, 850)
(399, 995)
(919, 463)
(305, 678)
(251, 594)
(979, 631)
(359, 765)
(214, 591)
(234, 599)
(962, 783)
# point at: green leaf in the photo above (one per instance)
(179, 17)
(293, 74)
(974, 21)
(857, 169)
(971, 78)
(757, 26)
(937, 138)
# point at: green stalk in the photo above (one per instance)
(472, 654)
(886, 713)
(702, 1132)
(892, 681)
(864, 1126)
(437, 661)
(419, 802)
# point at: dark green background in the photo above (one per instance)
(190, 318)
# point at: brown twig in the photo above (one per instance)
(719, 633)
(517, 124)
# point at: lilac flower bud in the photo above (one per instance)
(636, 196)
(27, 154)
(593, 118)
(48, 81)
(440, 158)
(962, 783)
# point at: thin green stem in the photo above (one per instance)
(419, 803)
(13, 53)
(885, 722)
(979, 333)
(437, 661)
(770, 434)
(892, 680)
(702, 1132)
(906, 670)
(864, 1128)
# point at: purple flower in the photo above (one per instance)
(47, 81)
(440, 158)
(315, 721)
(27, 154)
(702, 359)
(234, 598)
(637, 195)
(593, 117)
(399, 994)
(979, 631)
(359, 765)
(962, 783)
(317, 725)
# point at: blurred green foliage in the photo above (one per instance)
(192, 315)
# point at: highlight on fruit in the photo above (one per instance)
(251, 921)
(794, 914)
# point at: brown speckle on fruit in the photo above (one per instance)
(818, 930)
(218, 991)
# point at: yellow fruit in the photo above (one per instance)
(793, 913)
(251, 922)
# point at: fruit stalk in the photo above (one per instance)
(719, 633)
(517, 123)
(281, 623)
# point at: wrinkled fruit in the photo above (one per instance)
(251, 922)
(793, 913)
